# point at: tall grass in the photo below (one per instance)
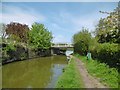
(71, 77)
(107, 76)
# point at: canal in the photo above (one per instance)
(41, 72)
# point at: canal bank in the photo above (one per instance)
(20, 53)
(71, 77)
(82, 74)
(24, 53)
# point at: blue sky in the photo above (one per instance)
(63, 19)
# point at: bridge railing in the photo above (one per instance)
(62, 45)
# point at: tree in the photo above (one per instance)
(107, 29)
(39, 37)
(82, 41)
(17, 31)
(2, 31)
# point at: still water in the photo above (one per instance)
(41, 72)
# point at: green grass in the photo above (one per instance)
(71, 77)
(107, 76)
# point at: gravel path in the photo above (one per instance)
(89, 81)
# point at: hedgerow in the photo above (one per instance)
(107, 53)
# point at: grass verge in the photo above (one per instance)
(107, 76)
(71, 77)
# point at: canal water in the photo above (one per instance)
(41, 72)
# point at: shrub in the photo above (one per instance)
(107, 53)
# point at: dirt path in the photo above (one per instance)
(89, 81)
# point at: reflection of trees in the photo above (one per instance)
(36, 73)
(25, 73)
(59, 59)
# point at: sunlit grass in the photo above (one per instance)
(107, 76)
(71, 77)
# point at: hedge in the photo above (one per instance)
(107, 53)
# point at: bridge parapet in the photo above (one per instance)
(63, 45)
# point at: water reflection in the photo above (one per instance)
(36, 73)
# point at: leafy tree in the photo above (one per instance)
(107, 29)
(39, 37)
(82, 41)
(17, 31)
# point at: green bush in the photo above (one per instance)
(5, 49)
(107, 53)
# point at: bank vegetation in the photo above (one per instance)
(104, 46)
(19, 42)
(71, 77)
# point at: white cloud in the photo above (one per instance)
(77, 22)
(84, 22)
(68, 23)
(21, 15)
(59, 39)
(63, 22)
(55, 26)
